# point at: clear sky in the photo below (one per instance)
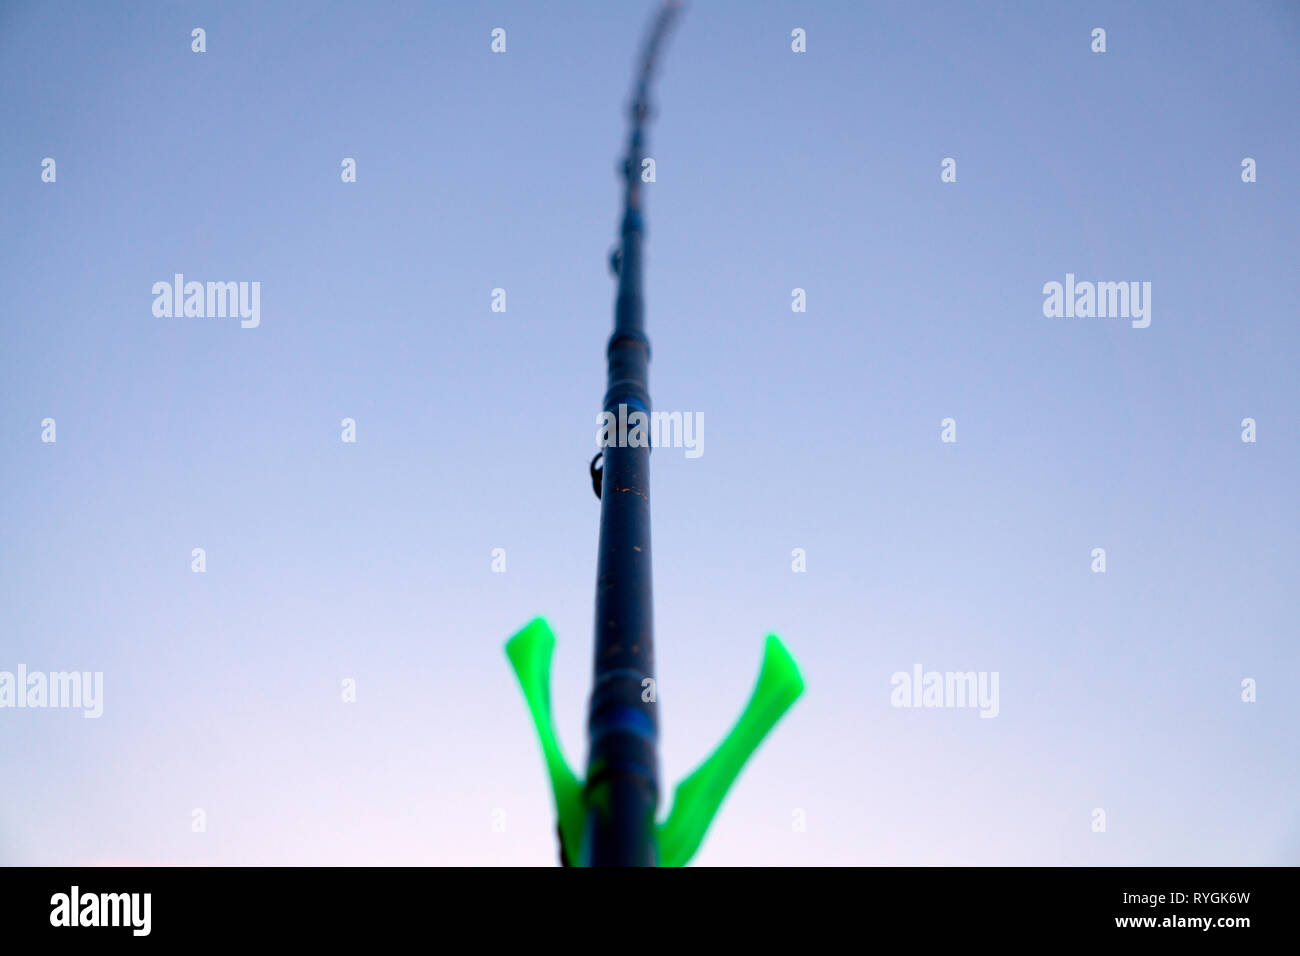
(371, 561)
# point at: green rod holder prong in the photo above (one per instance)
(530, 654)
(698, 797)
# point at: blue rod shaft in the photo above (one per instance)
(623, 729)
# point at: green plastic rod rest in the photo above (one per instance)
(698, 797)
(530, 654)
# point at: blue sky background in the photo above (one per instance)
(371, 561)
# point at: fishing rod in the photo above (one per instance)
(610, 819)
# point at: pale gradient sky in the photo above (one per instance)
(775, 170)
